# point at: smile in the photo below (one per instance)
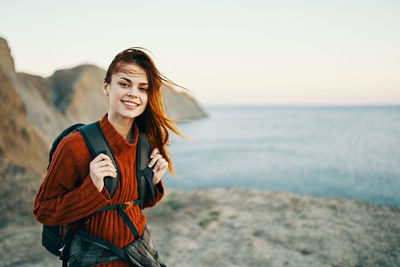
(131, 104)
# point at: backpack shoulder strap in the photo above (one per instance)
(97, 143)
(144, 173)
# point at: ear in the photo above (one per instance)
(106, 88)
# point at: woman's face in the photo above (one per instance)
(127, 92)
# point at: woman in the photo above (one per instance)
(74, 186)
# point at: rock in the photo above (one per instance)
(79, 94)
(180, 105)
(42, 114)
(20, 143)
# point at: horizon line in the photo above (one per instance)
(333, 105)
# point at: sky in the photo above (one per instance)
(254, 52)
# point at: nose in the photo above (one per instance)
(133, 92)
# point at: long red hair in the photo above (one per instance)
(153, 121)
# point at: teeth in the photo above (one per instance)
(130, 103)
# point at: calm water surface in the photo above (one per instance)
(351, 152)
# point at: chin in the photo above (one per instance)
(131, 114)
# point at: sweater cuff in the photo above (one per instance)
(159, 188)
(90, 191)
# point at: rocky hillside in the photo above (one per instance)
(181, 106)
(20, 142)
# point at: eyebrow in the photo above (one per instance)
(126, 79)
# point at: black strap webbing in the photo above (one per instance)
(97, 143)
(128, 222)
(120, 252)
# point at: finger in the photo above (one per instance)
(161, 165)
(106, 174)
(158, 164)
(103, 163)
(100, 175)
(154, 152)
(101, 157)
(105, 169)
(154, 160)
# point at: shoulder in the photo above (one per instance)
(72, 146)
(73, 142)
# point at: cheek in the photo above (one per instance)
(115, 95)
(145, 99)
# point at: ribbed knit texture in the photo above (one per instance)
(68, 194)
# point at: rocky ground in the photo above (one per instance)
(244, 227)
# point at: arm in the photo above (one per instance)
(65, 196)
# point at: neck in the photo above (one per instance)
(122, 125)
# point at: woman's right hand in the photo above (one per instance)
(100, 167)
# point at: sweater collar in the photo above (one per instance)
(118, 144)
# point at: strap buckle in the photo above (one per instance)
(128, 205)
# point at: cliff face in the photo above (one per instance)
(37, 96)
(181, 106)
(20, 143)
(78, 93)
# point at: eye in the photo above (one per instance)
(144, 89)
(123, 84)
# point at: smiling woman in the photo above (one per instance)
(74, 188)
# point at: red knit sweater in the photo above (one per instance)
(68, 194)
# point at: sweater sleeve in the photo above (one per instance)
(159, 190)
(64, 196)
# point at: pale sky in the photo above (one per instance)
(227, 52)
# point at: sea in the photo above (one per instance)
(346, 151)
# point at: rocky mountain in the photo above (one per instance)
(20, 142)
(181, 106)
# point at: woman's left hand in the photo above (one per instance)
(159, 165)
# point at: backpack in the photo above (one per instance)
(56, 239)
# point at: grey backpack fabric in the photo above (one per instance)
(140, 252)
